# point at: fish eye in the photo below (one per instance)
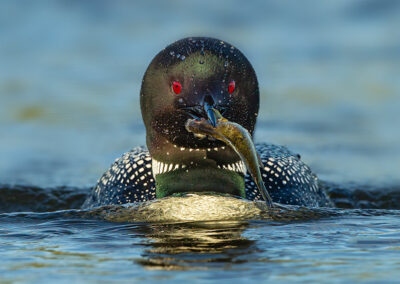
(231, 86)
(177, 87)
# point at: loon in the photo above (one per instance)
(183, 81)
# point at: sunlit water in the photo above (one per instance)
(70, 76)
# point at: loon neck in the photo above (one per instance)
(200, 179)
(179, 169)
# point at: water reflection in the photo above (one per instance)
(199, 245)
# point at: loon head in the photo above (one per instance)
(186, 80)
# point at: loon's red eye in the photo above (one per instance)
(231, 87)
(177, 87)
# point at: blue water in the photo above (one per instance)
(70, 75)
(353, 248)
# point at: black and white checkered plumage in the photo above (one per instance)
(287, 179)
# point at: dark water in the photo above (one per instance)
(70, 76)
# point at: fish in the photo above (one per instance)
(239, 139)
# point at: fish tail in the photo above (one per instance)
(264, 193)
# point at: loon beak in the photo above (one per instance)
(204, 111)
(210, 111)
(207, 109)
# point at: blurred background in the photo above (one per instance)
(70, 75)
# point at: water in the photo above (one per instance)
(357, 246)
(70, 76)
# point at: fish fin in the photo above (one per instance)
(219, 116)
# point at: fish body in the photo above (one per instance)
(240, 140)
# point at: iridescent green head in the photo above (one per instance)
(183, 81)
